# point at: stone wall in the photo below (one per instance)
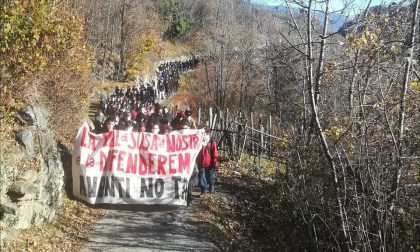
(31, 196)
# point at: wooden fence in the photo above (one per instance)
(239, 134)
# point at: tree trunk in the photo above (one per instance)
(104, 60)
(397, 176)
(318, 128)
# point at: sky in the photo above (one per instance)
(355, 7)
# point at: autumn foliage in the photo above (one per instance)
(43, 58)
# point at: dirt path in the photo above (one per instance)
(150, 228)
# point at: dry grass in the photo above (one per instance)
(174, 50)
(67, 233)
(233, 212)
(109, 86)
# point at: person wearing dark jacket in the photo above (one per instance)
(155, 118)
(167, 114)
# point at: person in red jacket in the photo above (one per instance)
(208, 163)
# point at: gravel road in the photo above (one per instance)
(149, 228)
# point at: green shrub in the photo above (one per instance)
(178, 21)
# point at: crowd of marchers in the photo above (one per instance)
(153, 119)
(168, 76)
(136, 109)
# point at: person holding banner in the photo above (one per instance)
(208, 163)
(191, 122)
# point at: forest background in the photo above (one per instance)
(345, 102)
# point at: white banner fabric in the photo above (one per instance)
(122, 167)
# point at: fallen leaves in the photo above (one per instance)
(67, 233)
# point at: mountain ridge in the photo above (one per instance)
(336, 20)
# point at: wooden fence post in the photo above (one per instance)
(199, 115)
(261, 140)
(261, 146)
(270, 140)
(252, 134)
(227, 124)
(213, 125)
(220, 122)
(227, 119)
(210, 117)
(238, 144)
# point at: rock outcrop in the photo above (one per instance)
(31, 195)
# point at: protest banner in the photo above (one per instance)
(123, 167)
